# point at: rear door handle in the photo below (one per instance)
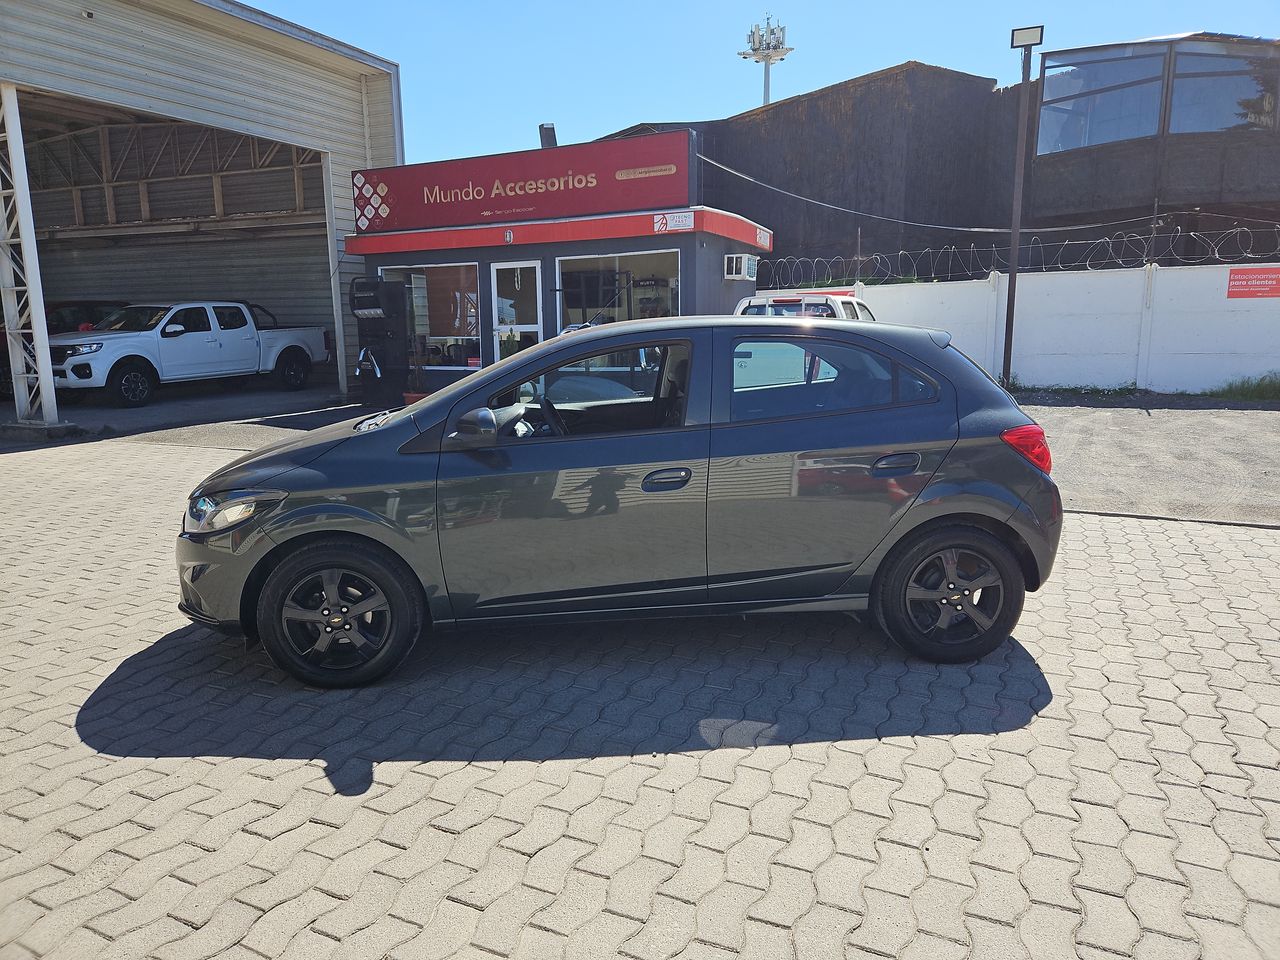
(895, 464)
(670, 478)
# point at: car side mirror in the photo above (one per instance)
(476, 428)
(173, 330)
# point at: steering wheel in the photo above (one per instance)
(551, 417)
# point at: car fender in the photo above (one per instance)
(943, 497)
(400, 517)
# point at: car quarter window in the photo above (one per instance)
(193, 319)
(230, 318)
(782, 377)
(864, 312)
(619, 390)
(850, 311)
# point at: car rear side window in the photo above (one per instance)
(781, 377)
(864, 313)
(850, 312)
(753, 310)
(230, 318)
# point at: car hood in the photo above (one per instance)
(91, 336)
(258, 468)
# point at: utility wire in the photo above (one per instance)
(942, 226)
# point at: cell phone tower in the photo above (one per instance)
(768, 46)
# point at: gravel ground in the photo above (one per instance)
(1190, 464)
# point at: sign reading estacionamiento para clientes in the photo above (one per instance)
(1253, 282)
(608, 176)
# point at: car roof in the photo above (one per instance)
(788, 294)
(893, 334)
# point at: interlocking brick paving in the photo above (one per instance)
(772, 786)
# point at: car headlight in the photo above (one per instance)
(215, 512)
(80, 349)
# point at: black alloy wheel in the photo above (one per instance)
(955, 595)
(340, 612)
(950, 595)
(336, 619)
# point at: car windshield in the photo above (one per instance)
(134, 319)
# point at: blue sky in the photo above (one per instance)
(478, 77)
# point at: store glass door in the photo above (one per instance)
(517, 307)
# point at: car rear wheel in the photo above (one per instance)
(293, 369)
(950, 595)
(339, 614)
(131, 384)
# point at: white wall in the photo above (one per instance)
(1166, 329)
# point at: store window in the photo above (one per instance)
(445, 314)
(1086, 104)
(635, 286)
(1212, 93)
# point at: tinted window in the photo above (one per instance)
(788, 378)
(754, 310)
(230, 318)
(194, 319)
(637, 388)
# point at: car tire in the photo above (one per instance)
(950, 595)
(293, 369)
(303, 610)
(131, 383)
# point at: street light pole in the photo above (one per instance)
(1025, 38)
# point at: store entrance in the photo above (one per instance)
(517, 307)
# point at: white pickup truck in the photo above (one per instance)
(138, 347)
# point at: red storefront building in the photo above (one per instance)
(501, 252)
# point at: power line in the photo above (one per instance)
(943, 226)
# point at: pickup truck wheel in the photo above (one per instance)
(131, 384)
(294, 369)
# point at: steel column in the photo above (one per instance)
(20, 289)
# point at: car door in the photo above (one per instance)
(611, 515)
(238, 339)
(192, 353)
(819, 444)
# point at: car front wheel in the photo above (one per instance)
(950, 595)
(339, 614)
(131, 384)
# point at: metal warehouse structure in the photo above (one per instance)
(178, 149)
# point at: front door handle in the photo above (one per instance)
(896, 464)
(670, 478)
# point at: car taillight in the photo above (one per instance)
(1029, 441)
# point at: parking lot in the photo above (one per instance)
(1105, 785)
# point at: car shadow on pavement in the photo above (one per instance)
(568, 691)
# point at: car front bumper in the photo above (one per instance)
(213, 570)
(80, 373)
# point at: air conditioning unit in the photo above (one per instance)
(741, 266)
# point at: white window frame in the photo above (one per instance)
(493, 302)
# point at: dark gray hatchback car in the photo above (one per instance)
(647, 468)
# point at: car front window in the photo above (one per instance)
(134, 319)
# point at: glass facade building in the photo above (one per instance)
(1101, 95)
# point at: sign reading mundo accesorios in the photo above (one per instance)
(608, 176)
